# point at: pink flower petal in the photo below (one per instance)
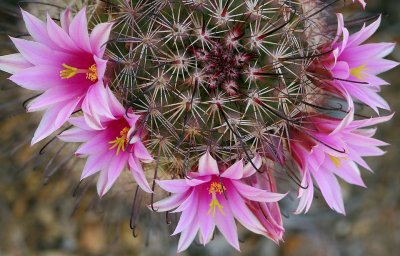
(349, 172)
(101, 69)
(306, 194)
(207, 224)
(370, 122)
(193, 180)
(94, 109)
(187, 236)
(37, 29)
(94, 146)
(255, 194)
(94, 164)
(340, 27)
(93, 121)
(99, 38)
(227, 226)
(79, 122)
(13, 63)
(38, 78)
(38, 54)
(349, 117)
(140, 151)
(60, 37)
(76, 134)
(377, 67)
(78, 31)
(365, 33)
(53, 96)
(53, 119)
(249, 169)
(138, 174)
(330, 189)
(66, 111)
(370, 98)
(113, 171)
(65, 19)
(102, 183)
(208, 165)
(173, 186)
(46, 126)
(367, 52)
(169, 203)
(116, 107)
(188, 201)
(350, 108)
(345, 39)
(235, 171)
(341, 70)
(116, 165)
(188, 216)
(243, 214)
(268, 214)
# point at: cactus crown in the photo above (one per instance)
(224, 75)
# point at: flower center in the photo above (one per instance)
(120, 142)
(215, 187)
(358, 72)
(69, 72)
(335, 161)
(222, 65)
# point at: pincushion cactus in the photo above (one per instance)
(185, 93)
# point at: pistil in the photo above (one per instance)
(69, 72)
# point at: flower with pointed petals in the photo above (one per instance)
(268, 213)
(64, 63)
(329, 150)
(354, 66)
(109, 150)
(208, 198)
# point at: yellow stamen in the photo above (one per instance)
(92, 74)
(213, 207)
(69, 72)
(336, 161)
(120, 142)
(358, 72)
(215, 187)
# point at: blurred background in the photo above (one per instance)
(44, 212)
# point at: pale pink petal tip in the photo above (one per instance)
(13, 63)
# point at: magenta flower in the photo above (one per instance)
(333, 152)
(355, 65)
(109, 150)
(63, 63)
(208, 198)
(268, 213)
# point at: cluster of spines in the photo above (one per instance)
(169, 61)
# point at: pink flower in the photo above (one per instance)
(268, 213)
(109, 150)
(333, 152)
(63, 63)
(355, 66)
(208, 198)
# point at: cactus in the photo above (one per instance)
(210, 99)
(225, 76)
